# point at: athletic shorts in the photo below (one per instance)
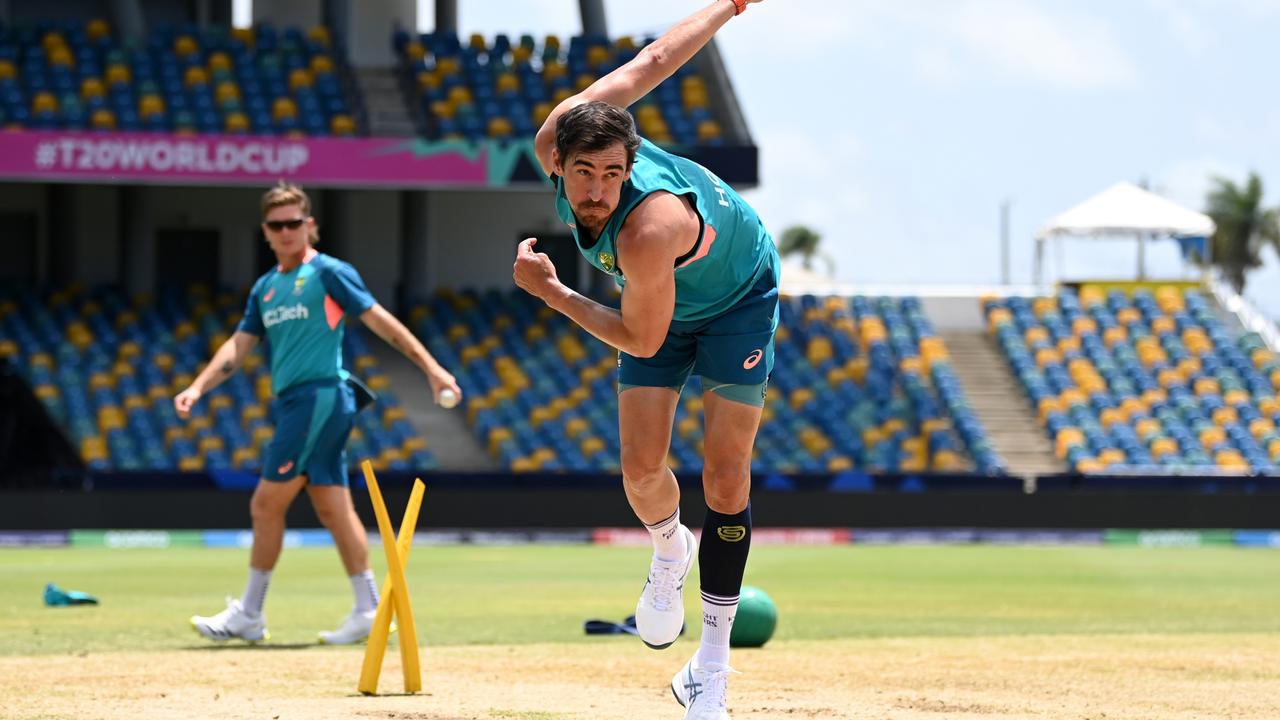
(734, 347)
(313, 421)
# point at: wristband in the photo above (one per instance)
(739, 6)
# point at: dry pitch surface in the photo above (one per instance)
(1110, 677)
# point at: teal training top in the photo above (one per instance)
(733, 248)
(301, 314)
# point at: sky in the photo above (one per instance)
(897, 129)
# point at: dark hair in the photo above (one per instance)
(594, 126)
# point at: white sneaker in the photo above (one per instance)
(355, 628)
(703, 691)
(233, 622)
(660, 612)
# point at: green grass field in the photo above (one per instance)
(469, 595)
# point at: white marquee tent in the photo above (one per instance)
(1125, 210)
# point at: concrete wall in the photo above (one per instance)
(473, 235)
(369, 25)
(464, 239)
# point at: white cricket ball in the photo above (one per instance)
(448, 398)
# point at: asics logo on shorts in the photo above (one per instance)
(285, 468)
(753, 359)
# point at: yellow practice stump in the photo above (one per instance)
(395, 594)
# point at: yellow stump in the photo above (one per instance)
(395, 595)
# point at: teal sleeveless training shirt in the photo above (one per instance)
(733, 248)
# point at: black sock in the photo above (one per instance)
(722, 558)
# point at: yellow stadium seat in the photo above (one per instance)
(321, 65)
(150, 105)
(1034, 335)
(709, 130)
(185, 45)
(1111, 456)
(195, 75)
(1212, 436)
(342, 125)
(1084, 326)
(97, 28)
(93, 448)
(1261, 427)
(948, 461)
(1206, 386)
(283, 107)
(1067, 438)
(8, 71)
(1236, 397)
(1225, 416)
(44, 102)
(448, 66)
(998, 317)
(1273, 449)
(319, 34)
(459, 95)
(521, 54)
(1162, 447)
(219, 62)
(583, 81)
(1047, 356)
(236, 122)
(110, 417)
(507, 82)
(245, 35)
(226, 91)
(1162, 325)
(61, 57)
(500, 127)
(300, 78)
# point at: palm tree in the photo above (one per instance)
(1243, 226)
(803, 241)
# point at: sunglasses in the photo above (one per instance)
(278, 225)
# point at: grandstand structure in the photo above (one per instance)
(140, 135)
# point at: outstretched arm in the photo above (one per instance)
(225, 362)
(655, 63)
(389, 328)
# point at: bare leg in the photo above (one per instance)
(271, 500)
(645, 415)
(336, 511)
(731, 433)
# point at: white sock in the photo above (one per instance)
(668, 541)
(366, 591)
(255, 592)
(717, 625)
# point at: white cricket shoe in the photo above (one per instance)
(233, 622)
(660, 611)
(355, 628)
(702, 691)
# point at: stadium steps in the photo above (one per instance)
(446, 432)
(999, 403)
(384, 103)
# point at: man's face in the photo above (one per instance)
(288, 229)
(593, 181)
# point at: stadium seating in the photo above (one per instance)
(107, 369)
(503, 90)
(76, 76)
(1151, 383)
(861, 384)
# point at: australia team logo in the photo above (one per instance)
(606, 261)
(297, 285)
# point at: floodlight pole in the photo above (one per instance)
(1005, 274)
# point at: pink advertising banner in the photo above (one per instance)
(43, 156)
